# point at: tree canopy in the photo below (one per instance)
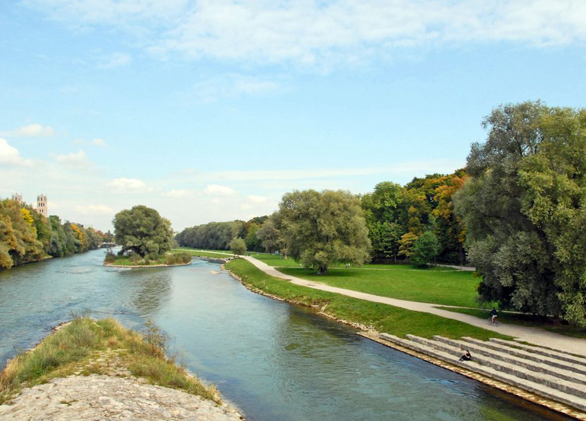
(28, 236)
(525, 207)
(320, 228)
(143, 231)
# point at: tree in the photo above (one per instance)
(143, 231)
(554, 184)
(424, 249)
(238, 246)
(320, 228)
(271, 238)
(524, 210)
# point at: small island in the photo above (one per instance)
(132, 372)
(146, 239)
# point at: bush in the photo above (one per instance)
(110, 258)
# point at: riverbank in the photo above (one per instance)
(100, 369)
(371, 319)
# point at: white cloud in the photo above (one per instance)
(115, 60)
(124, 185)
(10, 156)
(178, 193)
(53, 206)
(257, 199)
(32, 130)
(215, 189)
(313, 32)
(94, 210)
(230, 86)
(78, 157)
(414, 167)
(99, 142)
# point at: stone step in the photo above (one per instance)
(528, 385)
(509, 348)
(479, 349)
(455, 348)
(560, 355)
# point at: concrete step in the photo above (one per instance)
(453, 347)
(560, 355)
(500, 355)
(490, 372)
(539, 358)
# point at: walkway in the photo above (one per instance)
(521, 333)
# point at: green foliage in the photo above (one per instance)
(424, 249)
(322, 228)
(110, 258)
(142, 230)
(271, 238)
(215, 235)
(28, 236)
(238, 246)
(524, 207)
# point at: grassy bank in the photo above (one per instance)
(383, 318)
(85, 346)
(170, 259)
(204, 253)
(525, 320)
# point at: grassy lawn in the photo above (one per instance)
(383, 318)
(204, 253)
(524, 320)
(85, 347)
(435, 285)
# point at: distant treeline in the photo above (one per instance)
(28, 236)
(396, 216)
(218, 235)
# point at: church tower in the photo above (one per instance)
(42, 205)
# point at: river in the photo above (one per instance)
(272, 360)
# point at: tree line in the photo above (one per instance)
(517, 212)
(28, 236)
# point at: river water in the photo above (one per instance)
(272, 360)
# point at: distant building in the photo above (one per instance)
(42, 205)
(17, 197)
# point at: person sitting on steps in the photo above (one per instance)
(466, 356)
(493, 316)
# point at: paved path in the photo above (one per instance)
(522, 333)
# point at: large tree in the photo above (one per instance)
(524, 210)
(321, 228)
(142, 230)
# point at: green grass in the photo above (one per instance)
(125, 261)
(220, 254)
(383, 318)
(434, 285)
(86, 346)
(525, 320)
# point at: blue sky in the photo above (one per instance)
(212, 110)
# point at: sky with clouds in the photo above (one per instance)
(211, 110)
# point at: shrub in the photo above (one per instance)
(110, 258)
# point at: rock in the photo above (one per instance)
(100, 397)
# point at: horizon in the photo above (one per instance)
(213, 111)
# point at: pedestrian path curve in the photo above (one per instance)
(521, 333)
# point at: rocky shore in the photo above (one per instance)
(103, 397)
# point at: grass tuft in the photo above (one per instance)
(90, 347)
